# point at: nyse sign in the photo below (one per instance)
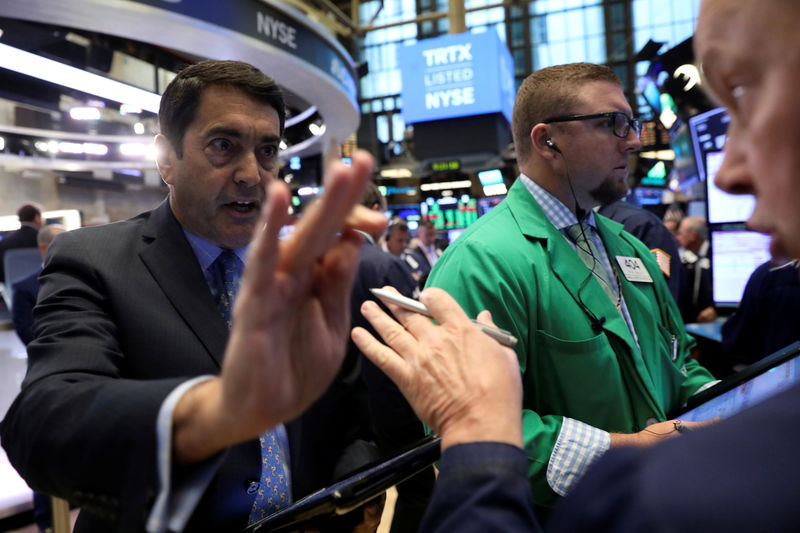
(440, 78)
(448, 69)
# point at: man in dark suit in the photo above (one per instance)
(426, 252)
(30, 219)
(140, 406)
(736, 475)
(394, 422)
(25, 293)
(26, 289)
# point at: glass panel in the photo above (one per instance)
(596, 50)
(520, 68)
(382, 127)
(539, 30)
(594, 20)
(517, 33)
(398, 127)
(574, 23)
(618, 51)
(556, 27)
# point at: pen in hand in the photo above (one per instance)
(500, 335)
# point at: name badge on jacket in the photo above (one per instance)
(634, 270)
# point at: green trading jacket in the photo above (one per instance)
(517, 265)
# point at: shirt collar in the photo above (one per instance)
(206, 252)
(557, 213)
(367, 236)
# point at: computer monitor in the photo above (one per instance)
(490, 177)
(708, 132)
(647, 195)
(685, 164)
(487, 204)
(735, 254)
(453, 234)
(722, 206)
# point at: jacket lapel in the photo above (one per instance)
(171, 261)
(565, 263)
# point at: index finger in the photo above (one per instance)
(442, 306)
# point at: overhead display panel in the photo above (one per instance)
(455, 76)
(302, 56)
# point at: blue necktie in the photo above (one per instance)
(272, 492)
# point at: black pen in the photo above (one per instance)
(500, 335)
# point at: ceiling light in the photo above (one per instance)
(84, 113)
(128, 109)
(495, 189)
(291, 121)
(70, 148)
(665, 155)
(138, 128)
(95, 149)
(74, 78)
(439, 186)
(145, 150)
(396, 173)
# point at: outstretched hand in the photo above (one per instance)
(291, 316)
(458, 380)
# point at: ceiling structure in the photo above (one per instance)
(143, 43)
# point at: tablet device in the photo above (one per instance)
(352, 492)
(746, 388)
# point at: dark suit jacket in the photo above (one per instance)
(768, 316)
(737, 476)
(482, 487)
(388, 408)
(24, 237)
(25, 292)
(394, 423)
(125, 315)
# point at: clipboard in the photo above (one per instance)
(754, 384)
(352, 492)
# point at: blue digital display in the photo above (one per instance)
(455, 76)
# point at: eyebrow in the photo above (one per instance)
(235, 133)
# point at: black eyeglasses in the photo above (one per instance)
(620, 123)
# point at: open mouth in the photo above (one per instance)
(243, 207)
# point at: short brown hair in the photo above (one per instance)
(28, 212)
(182, 96)
(550, 92)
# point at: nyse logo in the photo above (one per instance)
(447, 55)
(276, 30)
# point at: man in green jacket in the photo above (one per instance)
(602, 347)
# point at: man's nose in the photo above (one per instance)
(632, 141)
(248, 172)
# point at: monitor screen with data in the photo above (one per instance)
(735, 254)
(753, 385)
